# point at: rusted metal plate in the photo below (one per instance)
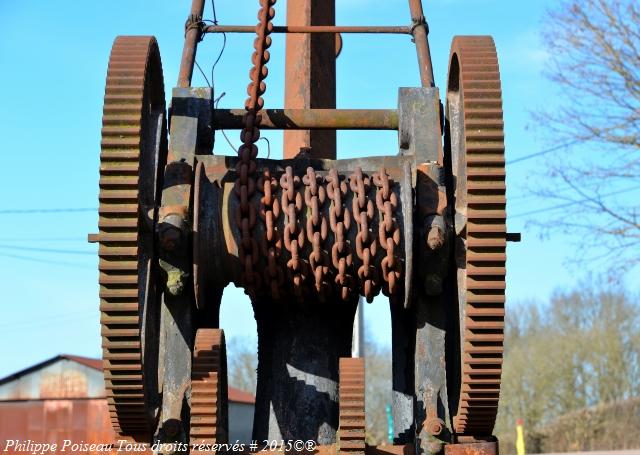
(388, 449)
(419, 132)
(332, 449)
(222, 168)
(53, 422)
(472, 448)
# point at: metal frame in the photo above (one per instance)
(194, 244)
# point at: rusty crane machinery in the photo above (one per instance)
(305, 237)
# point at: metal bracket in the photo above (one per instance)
(191, 134)
(489, 447)
(191, 122)
(419, 132)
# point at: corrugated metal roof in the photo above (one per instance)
(240, 396)
(91, 363)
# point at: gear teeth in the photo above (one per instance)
(128, 84)
(483, 320)
(352, 426)
(209, 402)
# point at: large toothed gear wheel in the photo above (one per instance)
(133, 151)
(209, 395)
(352, 428)
(475, 149)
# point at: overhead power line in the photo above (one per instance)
(571, 203)
(47, 250)
(52, 318)
(56, 210)
(45, 261)
(43, 239)
(542, 152)
(45, 324)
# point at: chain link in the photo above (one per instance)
(317, 191)
(272, 240)
(366, 245)
(388, 231)
(315, 196)
(245, 185)
(340, 222)
(293, 232)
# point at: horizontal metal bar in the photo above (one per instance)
(312, 119)
(398, 30)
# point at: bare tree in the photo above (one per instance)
(580, 350)
(242, 363)
(378, 391)
(594, 62)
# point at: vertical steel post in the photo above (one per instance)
(420, 32)
(310, 78)
(191, 38)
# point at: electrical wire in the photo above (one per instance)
(202, 72)
(46, 324)
(40, 210)
(52, 318)
(215, 105)
(571, 203)
(213, 67)
(43, 239)
(263, 138)
(542, 152)
(45, 261)
(46, 250)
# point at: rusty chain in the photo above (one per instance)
(315, 196)
(319, 266)
(293, 232)
(272, 240)
(366, 245)
(245, 185)
(340, 222)
(388, 230)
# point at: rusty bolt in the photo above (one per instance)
(170, 237)
(171, 427)
(171, 232)
(434, 426)
(435, 238)
(433, 284)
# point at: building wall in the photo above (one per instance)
(53, 421)
(240, 422)
(85, 420)
(61, 379)
(65, 399)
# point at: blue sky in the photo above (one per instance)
(54, 56)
